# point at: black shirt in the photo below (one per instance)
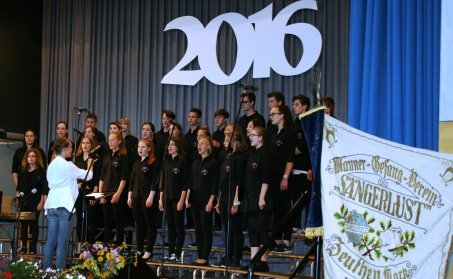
(244, 121)
(143, 179)
(301, 161)
(218, 136)
(257, 172)
(131, 142)
(83, 164)
(281, 149)
(19, 155)
(115, 168)
(232, 166)
(28, 181)
(176, 178)
(204, 179)
(191, 139)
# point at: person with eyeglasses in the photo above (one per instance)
(248, 106)
(32, 184)
(281, 147)
(29, 141)
(256, 203)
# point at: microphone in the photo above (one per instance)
(81, 109)
(21, 194)
(78, 132)
(248, 87)
(94, 150)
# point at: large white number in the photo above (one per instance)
(194, 32)
(263, 45)
(208, 54)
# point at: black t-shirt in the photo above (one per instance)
(244, 121)
(97, 166)
(205, 175)
(281, 149)
(232, 166)
(115, 168)
(176, 178)
(28, 181)
(191, 140)
(257, 172)
(143, 179)
(301, 161)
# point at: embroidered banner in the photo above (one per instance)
(387, 208)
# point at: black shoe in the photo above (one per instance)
(246, 249)
(282, 248)
(193, 245)
(262, 267)
(235, 264)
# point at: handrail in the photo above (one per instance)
(289, 217)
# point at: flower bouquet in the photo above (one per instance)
(101, 260)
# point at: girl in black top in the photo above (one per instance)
(92, 208)
(173, 193)
(114, 175)
(257, 204)
(32, 184)
(62, 131)
(200, 197)
(281, 148)
(231, 182)
(30, 140)
(142, 197)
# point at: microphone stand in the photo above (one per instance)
(79, 111)
(229, 148)
(17, 222)
(163, 171)
(84, 209)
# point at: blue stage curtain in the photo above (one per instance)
(394, 70)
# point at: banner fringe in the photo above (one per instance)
(314, 232)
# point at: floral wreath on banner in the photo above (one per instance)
(387, 243)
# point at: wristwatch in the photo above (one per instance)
(237, 203)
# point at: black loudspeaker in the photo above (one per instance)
(142, 270)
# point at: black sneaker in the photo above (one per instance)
(285, 248)
(278, 247)
(193, 245)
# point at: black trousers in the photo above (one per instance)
(91, 217)
(282, 204)
(258, 222)
(203, 229)
(175, 223)
(298, 184)
(145, 223)
(115, 214)
(34, 229)
(236, 237)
